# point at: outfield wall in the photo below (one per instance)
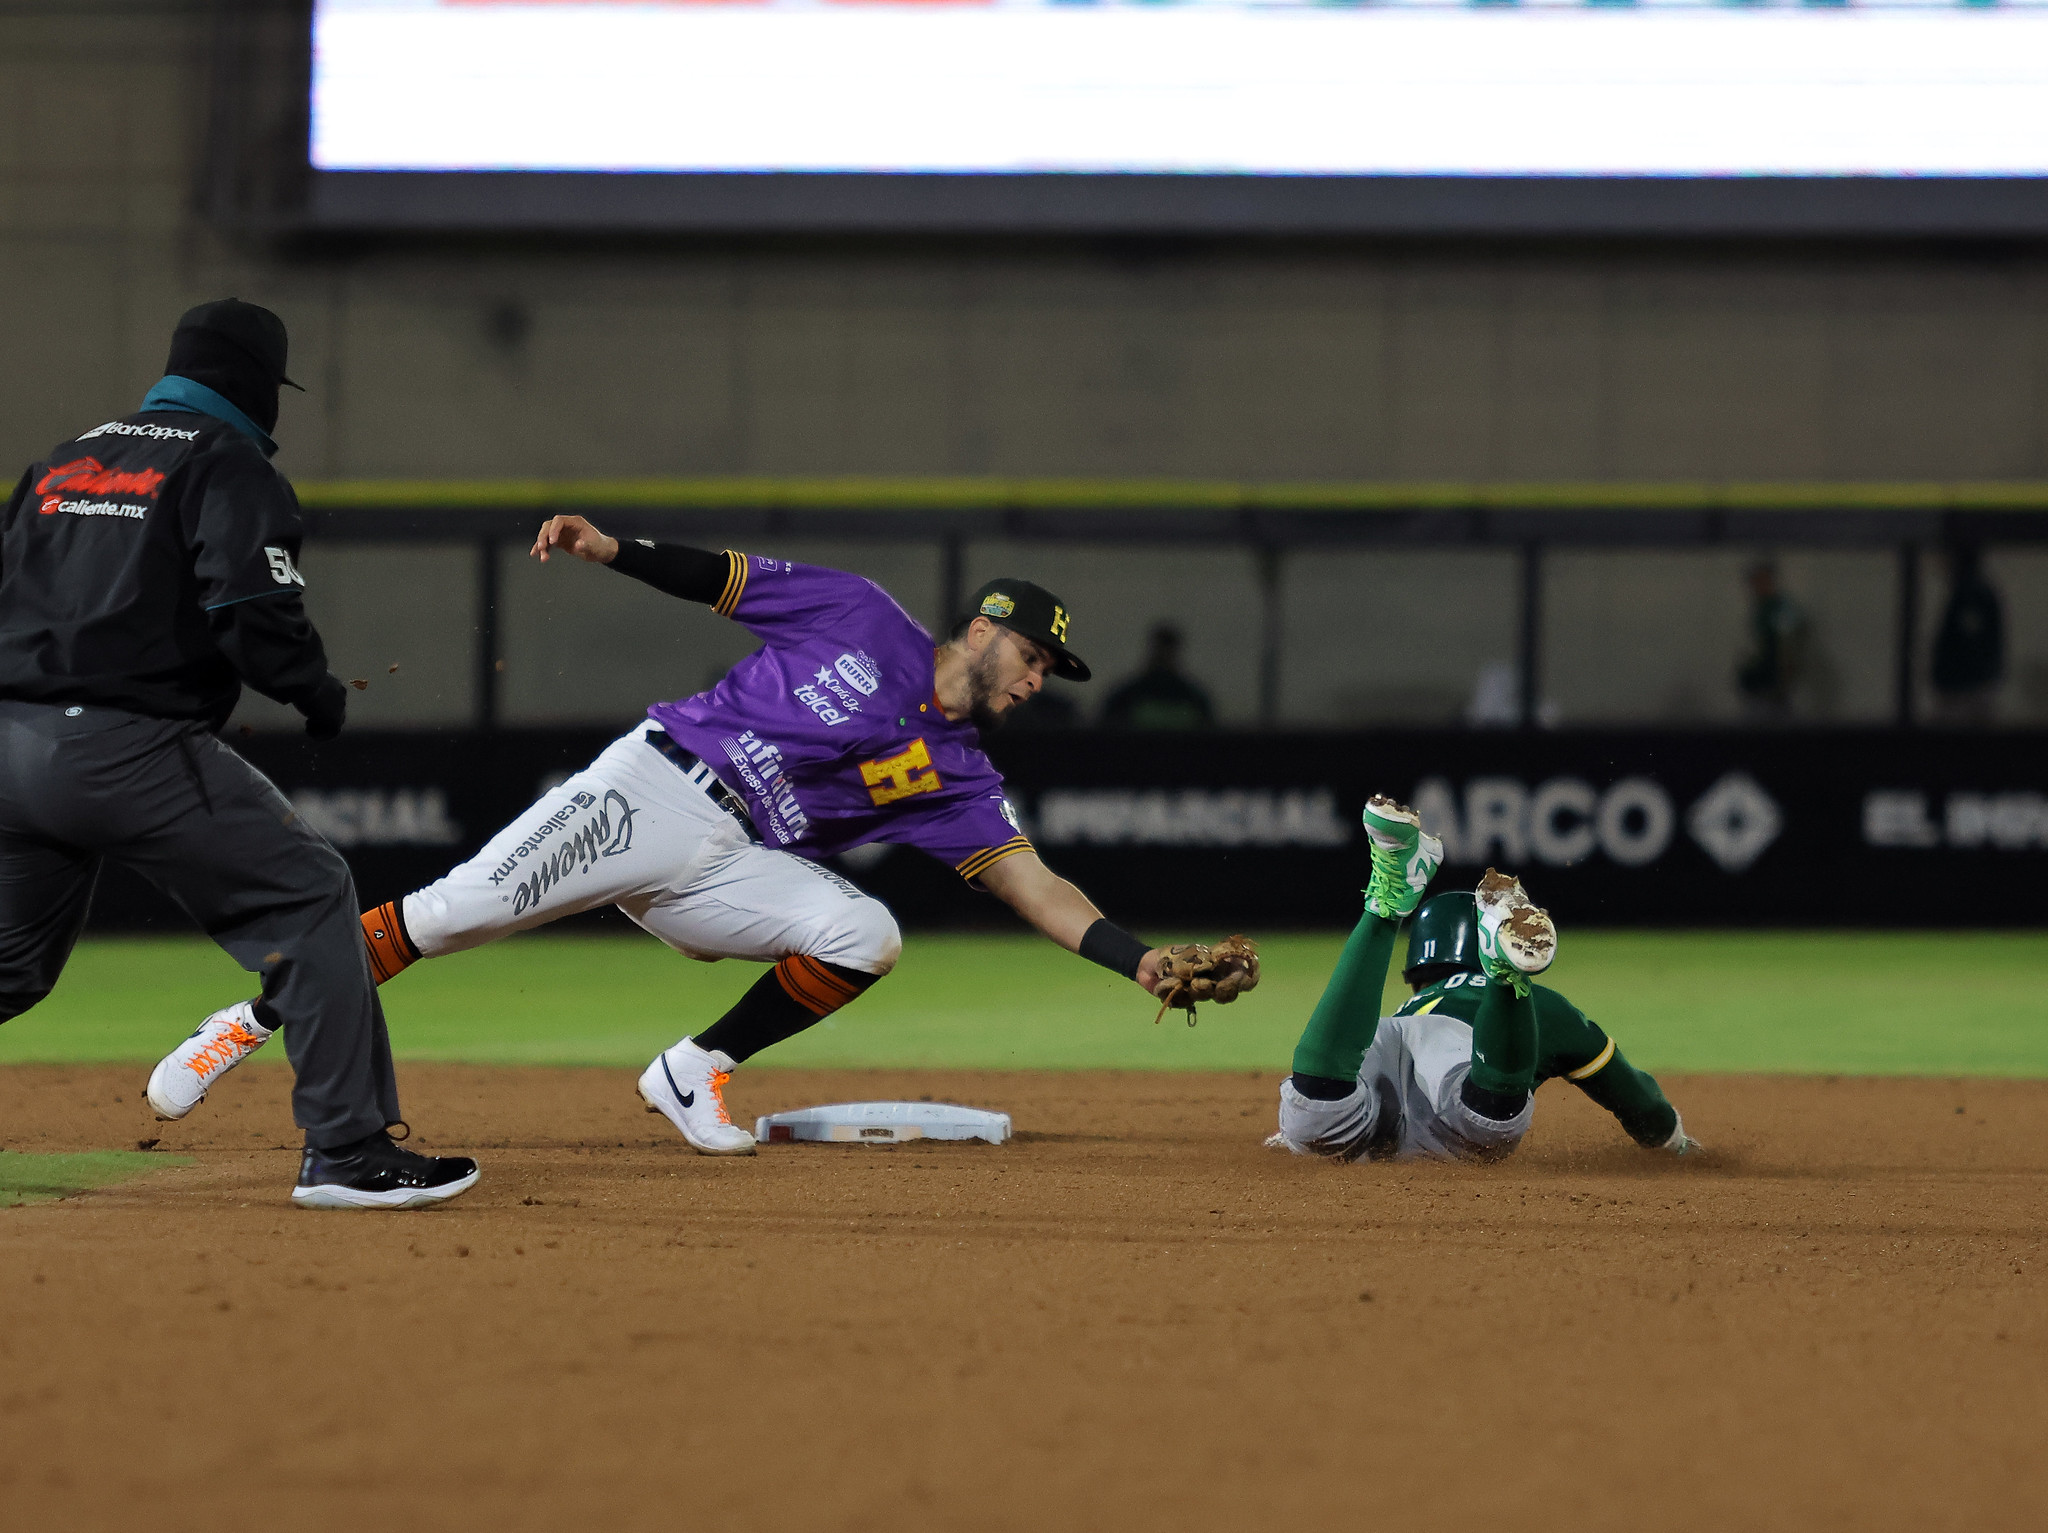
(1797, 828)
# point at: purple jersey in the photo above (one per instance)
(831, 732)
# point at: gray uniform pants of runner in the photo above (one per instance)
(79, 786)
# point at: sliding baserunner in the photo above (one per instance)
(1453, 1073)
(848, 725)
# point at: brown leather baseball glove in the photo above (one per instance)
(1198, 971)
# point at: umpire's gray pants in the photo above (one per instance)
(165, 798)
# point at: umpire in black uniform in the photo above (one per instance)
(148, 569)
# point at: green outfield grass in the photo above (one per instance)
(1866, 1003)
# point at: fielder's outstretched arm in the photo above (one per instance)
(1063, 913)
(694, 574)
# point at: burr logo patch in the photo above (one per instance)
(859, 673)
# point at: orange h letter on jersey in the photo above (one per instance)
(900, 776)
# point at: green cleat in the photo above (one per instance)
(1516, 936)
(1404, 860)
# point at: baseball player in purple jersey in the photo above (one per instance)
(704, 823)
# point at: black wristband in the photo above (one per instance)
(1114, 948)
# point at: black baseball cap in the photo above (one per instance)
(1034, 612)
(249, 328)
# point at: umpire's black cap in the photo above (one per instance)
(1034, 612)
(248, 328)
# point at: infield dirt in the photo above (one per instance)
(1130, 1317)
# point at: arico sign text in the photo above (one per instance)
(1805, 828)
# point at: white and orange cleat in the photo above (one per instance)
(182, 1077)
(686, 1085)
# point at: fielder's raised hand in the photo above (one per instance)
(574, 535)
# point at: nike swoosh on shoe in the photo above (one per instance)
(687, 1101)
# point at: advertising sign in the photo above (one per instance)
(1613, 829)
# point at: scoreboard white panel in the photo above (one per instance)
(1207, 87)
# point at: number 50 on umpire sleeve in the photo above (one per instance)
(282, 570)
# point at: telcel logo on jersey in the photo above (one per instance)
(818, 703)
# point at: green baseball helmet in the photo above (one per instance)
(1445, 930)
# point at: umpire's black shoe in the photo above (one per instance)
(375, 1173)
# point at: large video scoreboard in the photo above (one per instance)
(1179, 113)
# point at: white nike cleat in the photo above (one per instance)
(1516, 935)
(182, 1077)
(686, 1085)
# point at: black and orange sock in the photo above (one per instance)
(390, 945)
(790, 997)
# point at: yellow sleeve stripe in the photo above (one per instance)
(735, 584)
(989, 856)
(1595, 1067)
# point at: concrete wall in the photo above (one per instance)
(1260, 361)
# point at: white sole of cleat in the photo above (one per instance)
(398, 1197)
(1524, 932)
(166, 1110)
(1529, 940)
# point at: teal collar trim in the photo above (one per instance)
(182, 394)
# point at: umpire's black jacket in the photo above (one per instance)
(147, 569)
(151, 565)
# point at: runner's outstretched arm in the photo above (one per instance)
(1577, 1048)
(1633, 1096)
(1636, 1100)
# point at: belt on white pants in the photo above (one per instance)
(700, 776)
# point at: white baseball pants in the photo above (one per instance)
(633, 830)
(1409, 1102)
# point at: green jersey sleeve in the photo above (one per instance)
(1573, 1046)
